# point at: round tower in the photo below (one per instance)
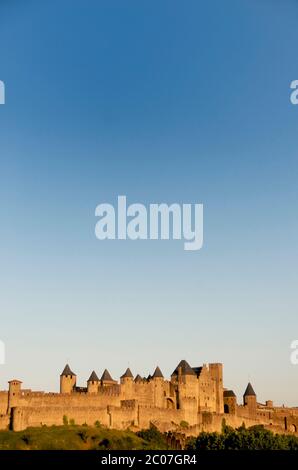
(138, 379)
(93, 383)
(106, 379)
(127, 377)
(127, 383)
(158, 383)
(250, 400)
(68, 380)
(158, 376)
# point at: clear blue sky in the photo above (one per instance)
(163, 101)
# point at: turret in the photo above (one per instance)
(138, 379)
(250, 400)
(68, 380)
(158, 384)
(93, 383)
(157, 375)
(127, 385)
(127, 377)
(106, 379)
(14, 393)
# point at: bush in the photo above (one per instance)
(153, 437)
(253, 438)
(184, 424)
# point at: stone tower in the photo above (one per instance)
(93, 383)
(250, 400)
(68, 380)
(106, 379)
(126, 377)
(14, 393)
(138, 379)
(158, 382)
(185, 381)
(126, 381)
(216, 373)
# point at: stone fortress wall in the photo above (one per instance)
(194, 398)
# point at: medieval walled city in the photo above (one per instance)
(194, 396)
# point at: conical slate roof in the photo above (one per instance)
(106, 376)
(93, 377)
(67, 371)
(249, 391)
(229, 393)
(127, 374)
(185, 368)
(149, 377)
(157, 373)
(138, 378)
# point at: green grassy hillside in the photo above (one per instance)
(72, 437)
(80, 438)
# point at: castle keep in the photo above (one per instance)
(193, 399)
